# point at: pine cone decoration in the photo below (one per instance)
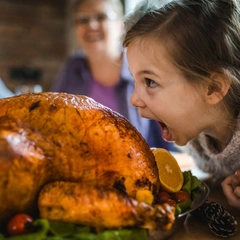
(211, 209)
(218, 219)
(223, 225)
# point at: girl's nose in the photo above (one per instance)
(136, 100)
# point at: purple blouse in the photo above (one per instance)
(104, 95)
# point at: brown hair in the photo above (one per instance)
(201, 37)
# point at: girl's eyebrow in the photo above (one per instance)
(144, 72)
(147, 72)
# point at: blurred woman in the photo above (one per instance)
(100, 69)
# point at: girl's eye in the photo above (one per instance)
(150, 83)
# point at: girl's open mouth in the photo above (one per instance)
(165, 132)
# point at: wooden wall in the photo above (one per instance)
(33, 33)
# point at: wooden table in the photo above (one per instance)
(195, 229)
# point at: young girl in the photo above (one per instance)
(185, 59)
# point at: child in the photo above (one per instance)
(185, 58)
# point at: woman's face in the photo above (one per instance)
(163, 94)
(97, 26)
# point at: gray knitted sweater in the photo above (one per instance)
(218, 164)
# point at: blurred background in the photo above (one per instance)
(36, 37)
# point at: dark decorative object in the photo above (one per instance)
(221, 222)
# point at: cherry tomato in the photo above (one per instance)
(162, 197)
(20, 224)
(171, 202)
(181, 196)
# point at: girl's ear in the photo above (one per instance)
(217, 88)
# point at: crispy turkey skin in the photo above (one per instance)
(99, 206)
(48, 137)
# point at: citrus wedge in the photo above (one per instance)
(170, 174)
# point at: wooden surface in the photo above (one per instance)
(195, 229)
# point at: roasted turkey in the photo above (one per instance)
(100, 207)
(69, 158)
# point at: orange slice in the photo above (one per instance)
(170, 174)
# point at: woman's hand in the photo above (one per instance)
(231, 189)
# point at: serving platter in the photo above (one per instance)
(200, 196)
